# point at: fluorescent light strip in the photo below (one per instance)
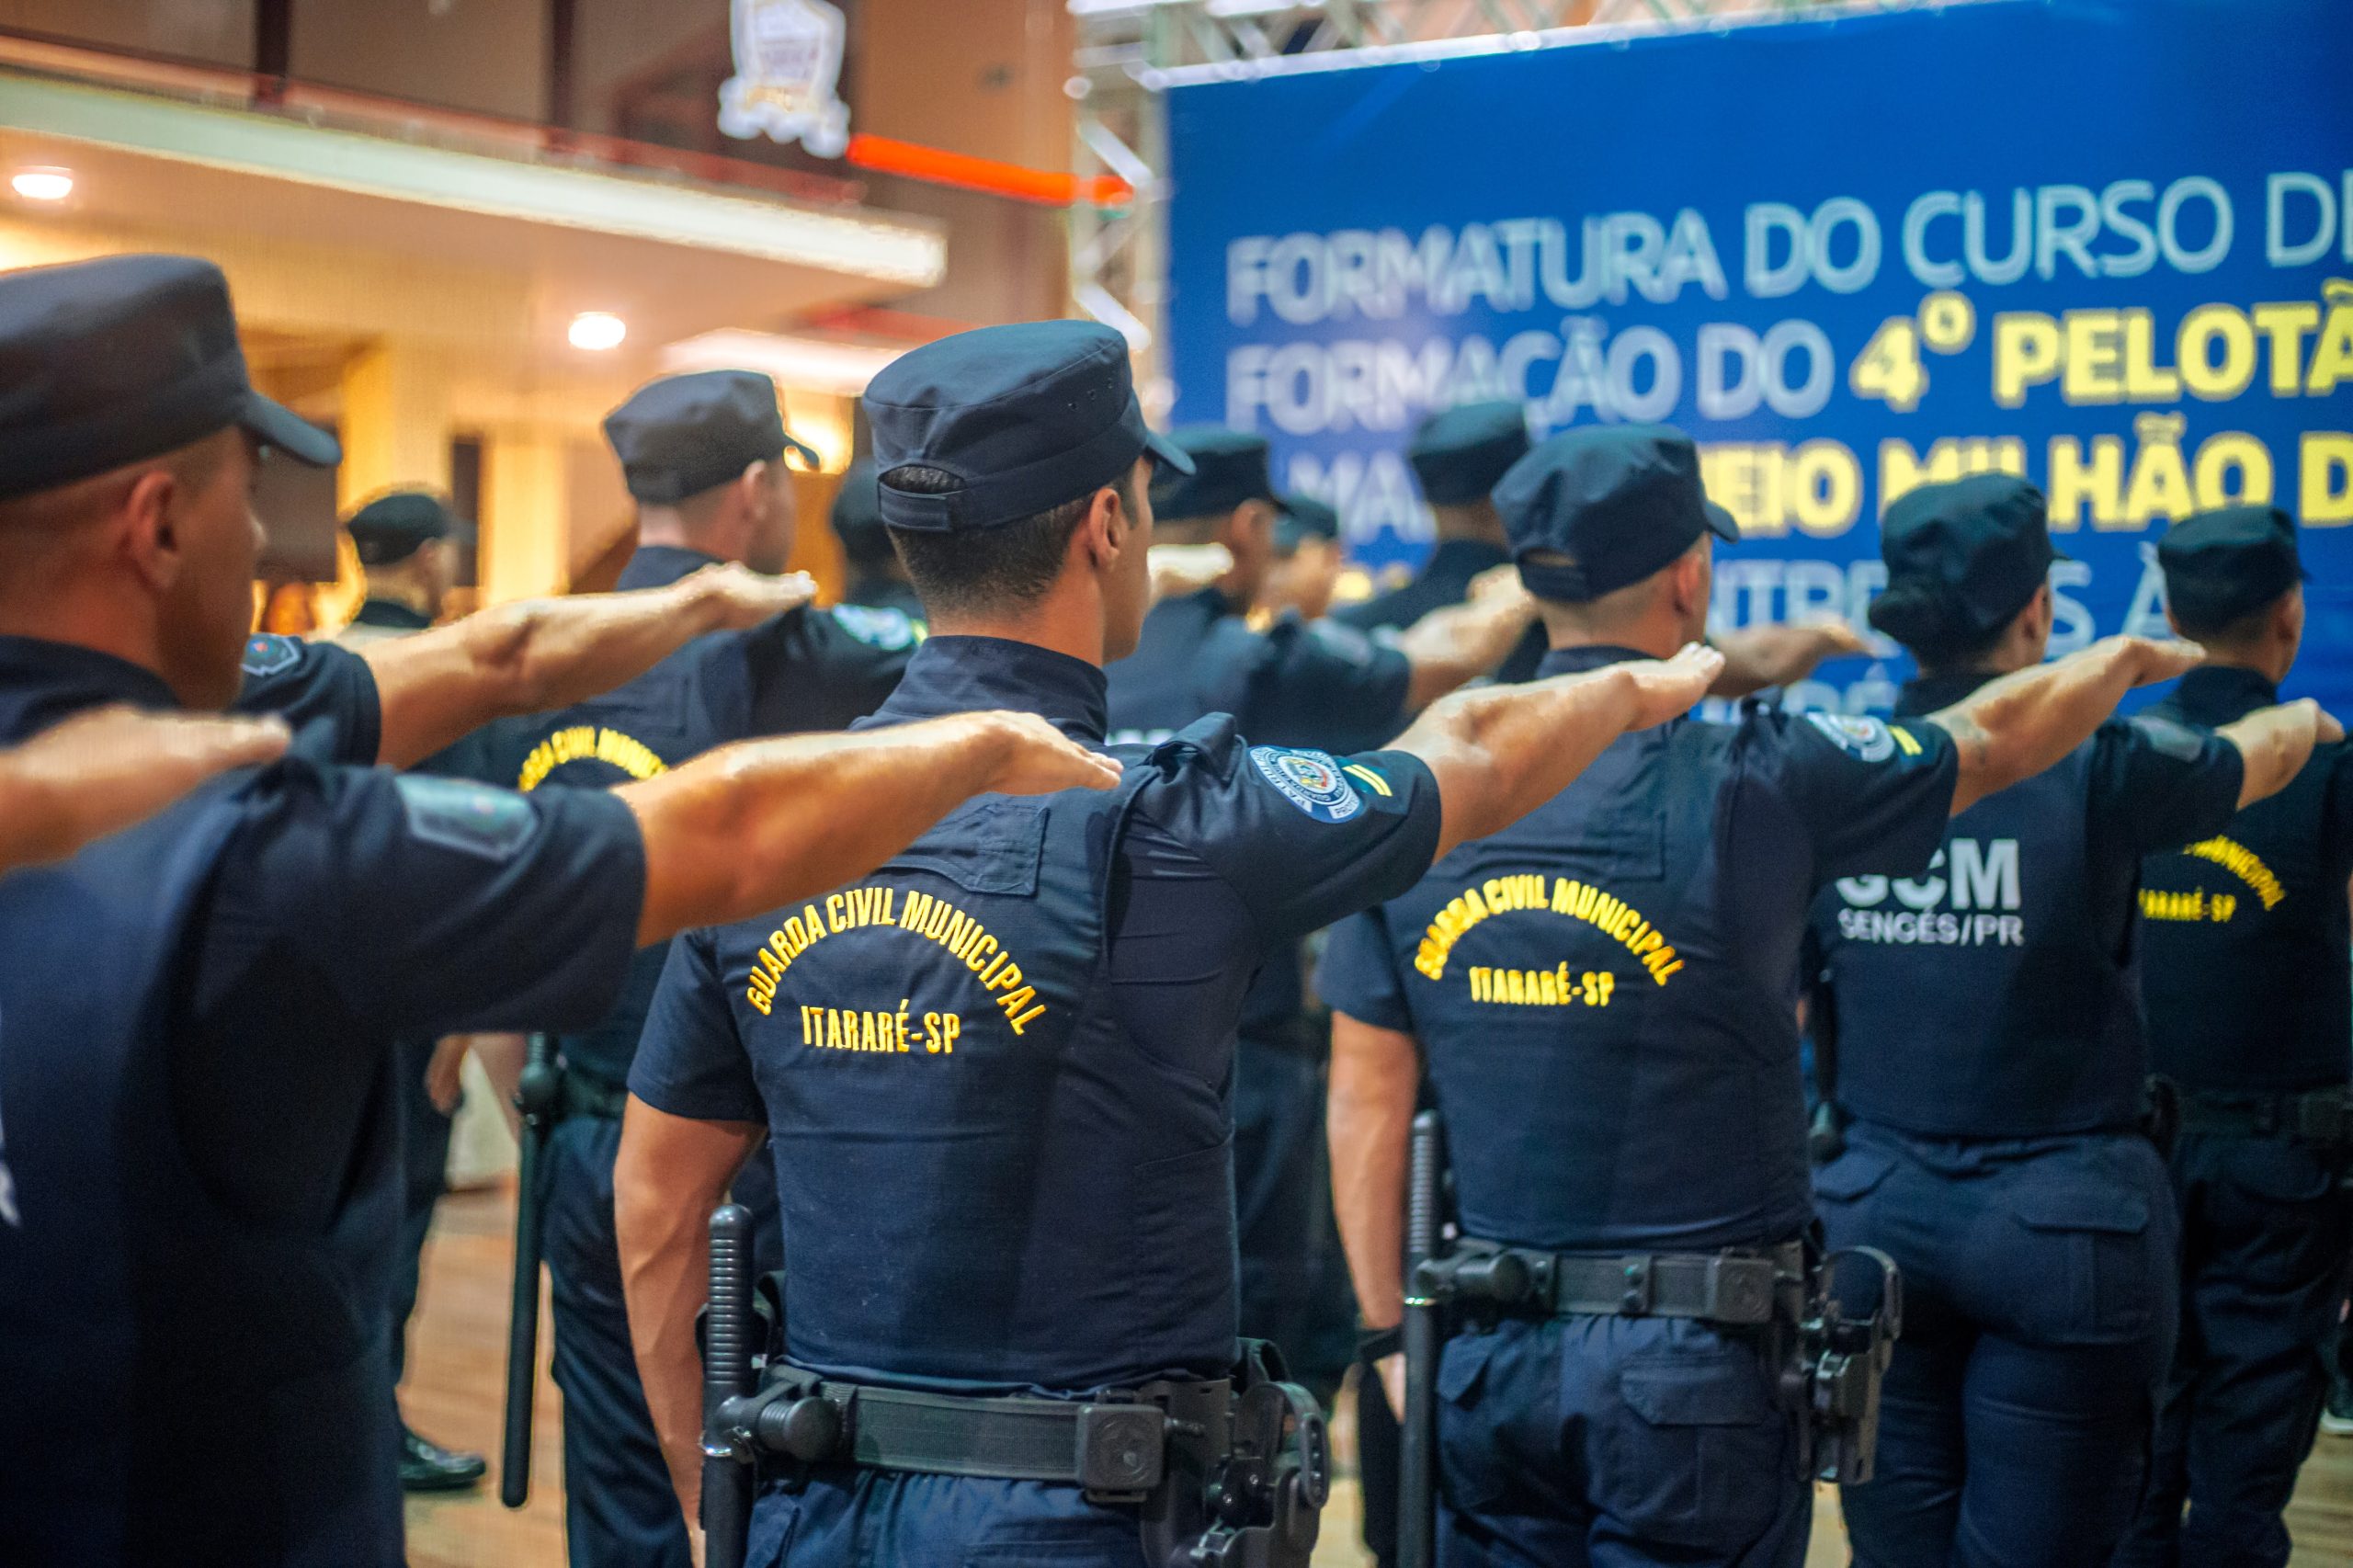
(812, 364)
(864, 246)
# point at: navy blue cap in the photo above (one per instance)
(857, 514)
(105, 362)
(1617, 502)
(2228, 563)
(1962, 557)
(392, 527)
(684, 435)
(1306, 518)
(1021, 418)
(1458, 454)
(1229, 468)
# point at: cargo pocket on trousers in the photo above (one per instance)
(2090, 1243)
(1700, 1454)
(1840, 1188)
(1474, 1469)
(776, 1519)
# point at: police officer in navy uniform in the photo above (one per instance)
(1308, 558)
(1457, 456)
(407, 543)
(1990, 1068)
(704, 456)
(994, 1078)
(1603, 996)
(196, 1013)
(877, 580)
(2245, 980)
(1299, 683)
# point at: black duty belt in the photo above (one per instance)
(2320, 1116)
(1115, 1443)
(1736, 1286)
(580, 1093)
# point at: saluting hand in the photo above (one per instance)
(1498, 585)
(1667, 689)
(1756, 657)
(740, 597)
(1038, 759)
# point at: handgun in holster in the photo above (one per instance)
(1231, 1472)
(537, 1097)
(1836, 1362)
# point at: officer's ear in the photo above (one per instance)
(151, 538)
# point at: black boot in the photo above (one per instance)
(428, 1467)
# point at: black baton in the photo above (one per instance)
(1416, 1474)
(726, 1373)
(535, 1097)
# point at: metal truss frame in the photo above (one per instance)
(1128, 50)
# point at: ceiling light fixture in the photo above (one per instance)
(598, 331)
(42, 184)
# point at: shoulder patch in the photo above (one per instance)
(888, 630)
(1312, 780)
(267, 654)
(1866, 739)
(2176, 741)
(472, 819)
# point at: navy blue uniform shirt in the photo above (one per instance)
(1996, 996)
(1605, 991)
(194, 1070)
(309, 683)
(806, 669)
(996, 1072)
(1298, 684)
(2245, 935)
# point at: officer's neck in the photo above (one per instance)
(91, 610)
(398, 588)
(716, 536)
(1069, 619)
(1476, 520)
(2272, 662)
(1658, 635)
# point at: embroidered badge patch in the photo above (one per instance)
(266, 653)
(1865, 738)
(887, 629)
(1312, 780)
(490, 825)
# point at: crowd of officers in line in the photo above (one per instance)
(996, 891)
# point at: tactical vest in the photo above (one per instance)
(180, 1384)
(1600, 979)
(986, 1186)
(2244, 968)
(1996, 996)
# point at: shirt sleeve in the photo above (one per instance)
(2162, 784)
(315, 683)
(1360, 975)
(430, 905)
(823, 669)
(1329, 686)
(1873, 796)
(690, 1061)
(1302, 836)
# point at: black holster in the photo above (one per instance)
(1835, 1362)
(1223, 1474)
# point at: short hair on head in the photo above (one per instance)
(32, 527)
(988, 570)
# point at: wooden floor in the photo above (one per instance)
(457, 1372)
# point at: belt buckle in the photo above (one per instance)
(1640, 1290)
(1740, 1290)
(1121, 1451)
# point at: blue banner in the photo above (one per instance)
(2105, 244)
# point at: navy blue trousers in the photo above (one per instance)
(1598, 1442)
(846, 1517)
(618, 1509)
(1280, 1197)
(2039, 1285)
(2264, 1237)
